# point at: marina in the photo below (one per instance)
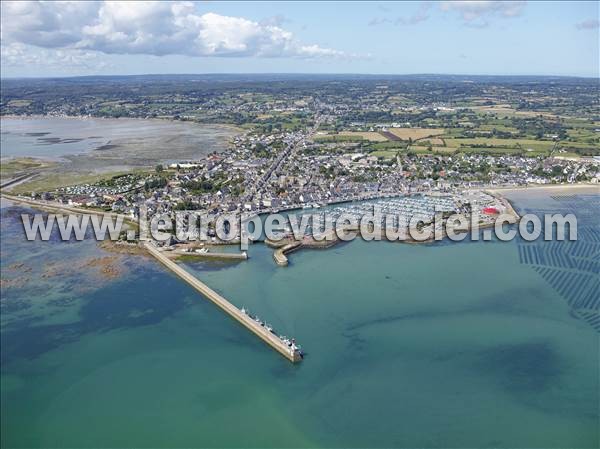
(400, 215)
(411, 209)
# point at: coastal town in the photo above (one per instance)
(262, 173)
(435, 162)
(299, 142)
(299, 224)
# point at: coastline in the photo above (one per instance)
(93, 117)
(88, 162)
(286, 246)
(580, 187)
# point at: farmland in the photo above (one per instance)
(415, 133)
(487, 115)
(459, 139)
(366, 135)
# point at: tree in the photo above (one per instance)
(159, 168)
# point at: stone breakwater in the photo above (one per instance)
(244, 319)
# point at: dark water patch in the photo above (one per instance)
(14, 305)
(63, 302)
(512, 302)
(57, 140)
(356, 344)
(72, 140)
(113, 307)
(219, 399)
(28, 321)
(523, 368)
(210, 264)
(29, 288)
(14, 212)
(108, 146)
(48, 140)
(388, 320)
(40, 134)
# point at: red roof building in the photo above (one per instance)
(491, 211)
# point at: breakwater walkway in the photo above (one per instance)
(260, 331)
(288, 351)
(209, 255)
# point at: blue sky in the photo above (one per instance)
(485, 37)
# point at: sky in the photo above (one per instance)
(46, 39)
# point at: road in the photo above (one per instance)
(284, 155)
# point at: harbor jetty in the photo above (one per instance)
(280, 253)
(287, 245)
(208, 255)
(283, 346)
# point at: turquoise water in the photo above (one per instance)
(445, 345)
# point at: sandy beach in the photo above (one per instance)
(550, 188)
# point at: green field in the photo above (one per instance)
(338, 138)
(15, 167)
(483, 141)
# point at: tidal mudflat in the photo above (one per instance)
(80, 146)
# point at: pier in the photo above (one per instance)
(287, 246)
(209, 255)
(280, 254)
(260, 331)
(268, 337)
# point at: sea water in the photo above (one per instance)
(439, 345)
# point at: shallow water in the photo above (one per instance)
(445, 345)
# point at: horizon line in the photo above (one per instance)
(597, 77)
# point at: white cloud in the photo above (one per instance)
(478, 12)
(149, 28)
(58, 60)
